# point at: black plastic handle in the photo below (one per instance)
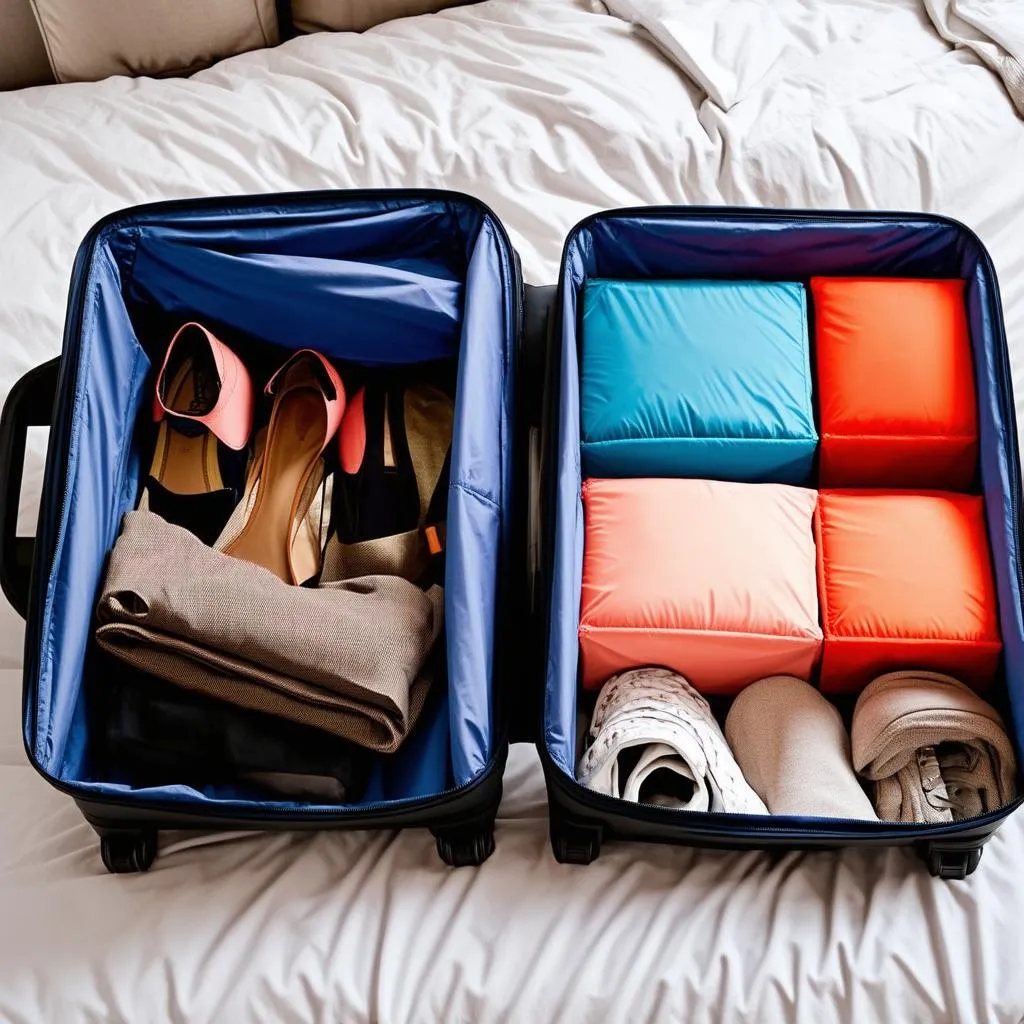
(524, 677)
(29, 404)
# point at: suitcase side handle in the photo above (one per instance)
(29, 404)
(524, 704)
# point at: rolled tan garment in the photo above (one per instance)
(794, 750)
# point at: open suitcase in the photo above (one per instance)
(375, 278)
(256, 266)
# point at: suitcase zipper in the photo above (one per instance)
(666, 815)
(67, 382)
(710, 823)
(512, 289)
(1009, 415)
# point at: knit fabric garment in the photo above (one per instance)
(794, 750)
(935, 751)
(350, 657)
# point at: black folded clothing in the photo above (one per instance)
(157, 734)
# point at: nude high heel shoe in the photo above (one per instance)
(270, 527)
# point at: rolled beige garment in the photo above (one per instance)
(794, 750)
(934, 750)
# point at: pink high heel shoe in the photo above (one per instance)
(203, 403)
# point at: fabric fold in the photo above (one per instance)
(349, 657)
(731, 50)
(935, 751)
(993, 32)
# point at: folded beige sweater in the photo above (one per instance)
(350, 657)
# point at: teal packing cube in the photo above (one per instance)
(697, 379)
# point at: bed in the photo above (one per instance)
(547, 111)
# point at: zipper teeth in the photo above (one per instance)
(1009, 417)
(865, 829)
(66, 384)
(848, 828)
(80, 277)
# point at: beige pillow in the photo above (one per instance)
(91, 39)
(356, 15)
(22, 54)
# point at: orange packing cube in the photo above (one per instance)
(895, 383)
(905, 582)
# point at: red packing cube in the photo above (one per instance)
(905, 582)
(895, 384)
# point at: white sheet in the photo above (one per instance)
(992, 29)
(730, 47)
(547, 112)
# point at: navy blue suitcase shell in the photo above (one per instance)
(374, 278)
(732, 243)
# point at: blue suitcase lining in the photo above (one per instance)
(774, 247)
(376, 282)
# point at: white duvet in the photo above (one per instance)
(547, 112)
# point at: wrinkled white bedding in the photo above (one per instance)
(991, 29)
(730, 47)
(547, 112)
